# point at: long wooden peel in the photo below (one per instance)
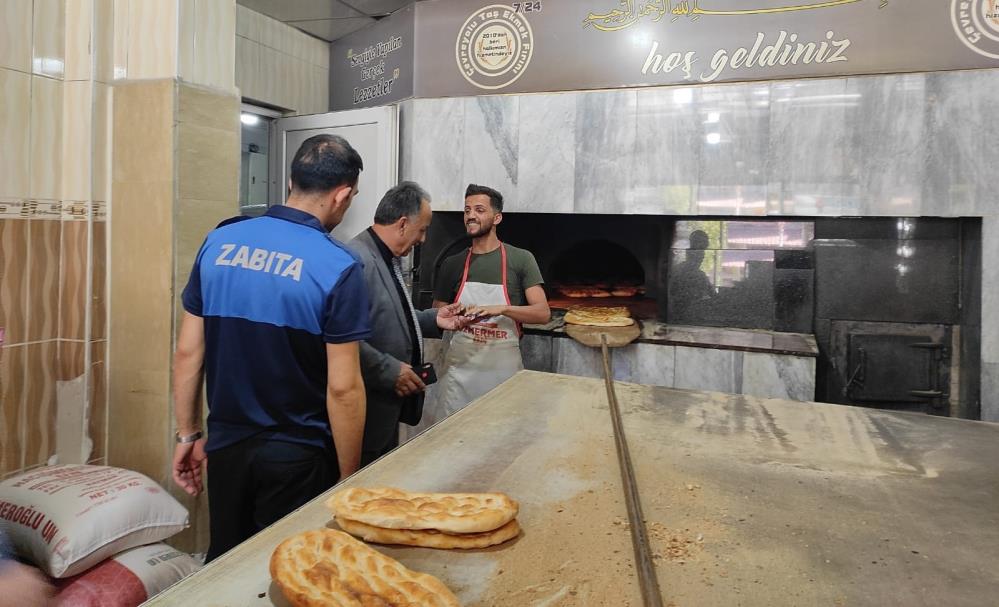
(651, 596)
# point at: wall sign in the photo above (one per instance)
(465, 47)
(374, 66)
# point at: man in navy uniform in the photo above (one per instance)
(275, 309)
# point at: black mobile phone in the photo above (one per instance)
(427, 373)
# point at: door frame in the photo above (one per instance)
(386, 118)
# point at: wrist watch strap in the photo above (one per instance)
(190, 438)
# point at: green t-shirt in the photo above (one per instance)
(522, 273)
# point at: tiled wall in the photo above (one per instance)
(878, 146)
(190, 39)
(54, 85)
(279, 65)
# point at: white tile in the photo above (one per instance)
(321, 77)
(152, 40)
(76, 140)
(79, 22)
(186, 34)
(15, 129)
(15, 35)
(248, 67)
(49, 38)
(46, 138)
(119, 53)
(215, 43)
(101, 142)
(242, 21)
(103, 40)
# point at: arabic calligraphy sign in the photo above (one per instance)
(480, 47)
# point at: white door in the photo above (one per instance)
(373, 132)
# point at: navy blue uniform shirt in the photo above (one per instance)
(273, 291)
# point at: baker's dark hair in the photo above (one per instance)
(495, 198)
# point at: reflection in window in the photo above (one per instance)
(725, 273)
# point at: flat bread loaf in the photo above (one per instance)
(429, 538)
(328, 568)
(448, 512)
(599, 316)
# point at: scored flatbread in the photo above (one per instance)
(327, 568)
(449, 512)
(599, 316)
(429, 538)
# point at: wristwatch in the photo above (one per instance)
(190, 438)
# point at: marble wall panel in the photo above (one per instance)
(438, 126)
(957, 180)
(990, 391)
(649, 364)
(606, 130)
(774, 376)
(667, 151)
(733, 152)
(537, 353)
(708, 369)
(990, 291)
(214, 43)
(573, 358)
(809, 145)
(546, 159)
(890, 150)
(491, 139)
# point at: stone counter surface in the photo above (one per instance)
(748, 501)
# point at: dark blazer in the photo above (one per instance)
(388, 347)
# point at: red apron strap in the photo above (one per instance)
(506, 292)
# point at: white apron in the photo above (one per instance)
(482, 355)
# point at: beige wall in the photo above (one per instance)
(280, 66)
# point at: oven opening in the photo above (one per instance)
(599, 272)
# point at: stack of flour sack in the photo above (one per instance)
(97, 531)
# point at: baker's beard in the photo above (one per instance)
(476, 229)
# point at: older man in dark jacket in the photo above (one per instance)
(392, 355)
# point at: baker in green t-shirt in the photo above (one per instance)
(501, 285)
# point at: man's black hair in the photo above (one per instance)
(495, 198)
(324, 162)
(403, 200)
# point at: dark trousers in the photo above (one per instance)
(257, 481)
(370, 455)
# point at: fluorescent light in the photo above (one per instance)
(249, 119)
(713, 117)
(713, 138)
